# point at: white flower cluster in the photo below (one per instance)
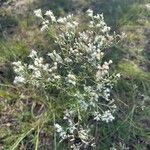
(78, 136)
(19, 69)
(38, 73)
(71, 78)
(77, 67)
(69, 23)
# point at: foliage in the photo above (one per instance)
(26, 121)
(75, 74)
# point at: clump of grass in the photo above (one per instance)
(12, 50)
(132, 70)
(135, 16)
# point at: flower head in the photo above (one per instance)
(38, 13)
(33, 54)
(19, 79)
(50, 14)
(90, 12)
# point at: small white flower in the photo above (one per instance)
(19, 79)
(58, 58)
(97, 116)
(70, 16)
(38, 13)
(50, 70)
(55, 63)
(17, 63)
(38, 62)
(32, 67)
(105, 29)
(107, 116)
(110, 61)
(71, 79)
(72, 82)
(37, 74)
(70, 25)
(105, 66)
(61, 20)
(75, 23)
(57, 77)
(45, 22)
(118, 75)
(113, 148)
(98, 75)
(51, 55)
(33, 54)
(58, 127)
(68, 59)
(54, 67)
(63, 135)
(44, 27)
(50, 14)
(45, 67)
(71, 76)
(90, 12)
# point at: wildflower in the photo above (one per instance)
(91, 25)
(44, 27)
(77, 67)
(19, 79)
(70, 25)
(18, 67)
(118, 75)
(38, 61)
(38, 13)
(90, 12)
(71, 79)
(58, 58)
(75, 23)
(99, 55)
(50, 14)
(32, 67)
(67, 60)
(58, 127)
(61, 20)
(105, 66)
(57, 77)
(107, 116)
(98, 75)
(71, 76)
(55, 56)
(45, 22)
(45, 67)
(33, 54)
(37, 74)
(110, 61)
(61, 132)
(17, 63)
(97, 116)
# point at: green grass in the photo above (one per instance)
(136, 15)
(128, 68)
(12, 50)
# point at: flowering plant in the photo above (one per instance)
(75, 73)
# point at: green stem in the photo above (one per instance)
(37, 139)
(55, 140)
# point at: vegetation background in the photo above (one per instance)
(19, 33)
